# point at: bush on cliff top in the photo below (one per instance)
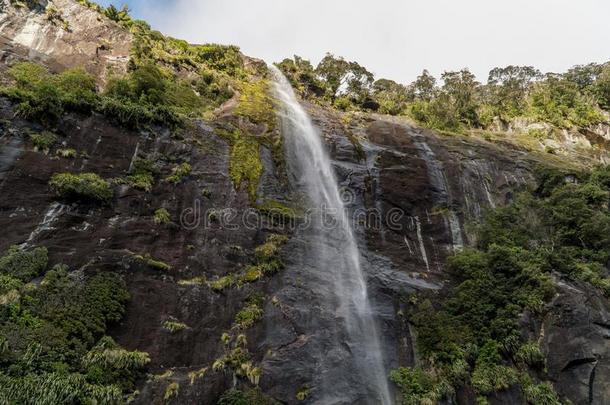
(459, 103)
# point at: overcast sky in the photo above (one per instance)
(396, 38)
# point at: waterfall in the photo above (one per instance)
(356, 361)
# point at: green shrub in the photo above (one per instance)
(541, 394)
(245, 160)
(171, 390)
(560, 102)
(107, 362)
(108, 355)
(303, 394)
(9, 283)
(141, 181)
(214, 88)
(88, 186)
(256, 103)
(54, 388)
(135, 116)
(51, 328)
(220, 57)
(271, 248)
(162, 216)
(45, 97)
(418, 386)
(489, 378)
(24, 265)
(174, 326)
(44, 140)
(248, 316)
(530, 354)
(223, 282)
(178, 173)
(142, 175)
(197, 374)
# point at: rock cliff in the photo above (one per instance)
(419, 193)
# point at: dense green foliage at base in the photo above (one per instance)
(52, 344)
(469, 334)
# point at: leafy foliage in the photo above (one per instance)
(44, 97)
(23, 265)
(49, 333)
(87, 186)
(179, 172)
(256, 104)
(245, 162)
(44, 140)
(161, 216)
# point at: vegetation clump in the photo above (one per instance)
(86, 186)
(174, 326)
(249, 314)
(256, 103)
(149, 261)
(54, 348)
(179, 173)
(23, 265)
(161, 216)
(279, 213)
(267, 259)
(245, 161)
(171, 390)
(43, 141)
(142, 175)
(222, 283)
(44, 97)
(197, 374)
(470, 335)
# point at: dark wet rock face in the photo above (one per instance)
(576, 335)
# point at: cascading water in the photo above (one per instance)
(355, 362)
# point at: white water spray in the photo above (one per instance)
(336, 261)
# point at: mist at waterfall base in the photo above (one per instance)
(334, 260)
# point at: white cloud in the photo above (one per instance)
(397, 39)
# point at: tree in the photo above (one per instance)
(302, 76)
(333, 71)
(559, 101)
(602, 87)
(462, 89)
(117, 15)
(584, 75)
(508, 89)
(343, 77)
(392, 97)
(424, 86)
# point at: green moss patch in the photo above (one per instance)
(87, 186)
